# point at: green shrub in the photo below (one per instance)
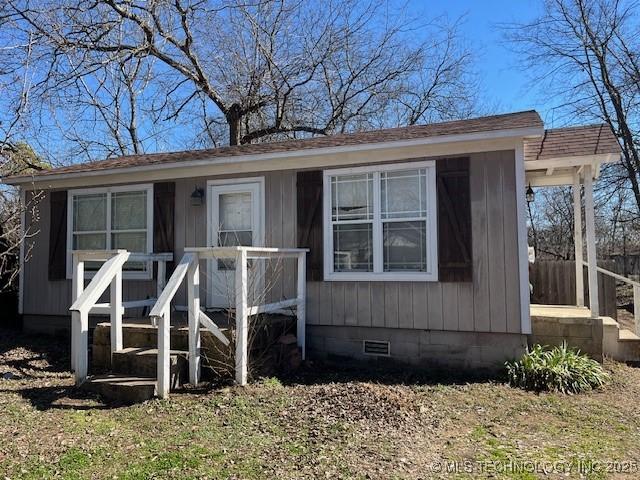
(557, 369)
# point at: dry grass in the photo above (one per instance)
(320, 425)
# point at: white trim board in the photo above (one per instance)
(573, 161)
(523, 244)
(23, 238)
(320, 157)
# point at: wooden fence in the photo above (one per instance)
(554, 283)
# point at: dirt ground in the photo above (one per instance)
(321, 424)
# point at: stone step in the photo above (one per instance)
(122, 388)
(143, 362)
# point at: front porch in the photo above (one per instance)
(574, 157)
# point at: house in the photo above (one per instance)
(416, 236)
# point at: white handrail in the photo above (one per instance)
(100, 282)
(636, 293)
(615, 275)
(85, 299)
(172, 286)
(189, 268)
(161, 316)
(109, 274)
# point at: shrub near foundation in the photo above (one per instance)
(557, 369)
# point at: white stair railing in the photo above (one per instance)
(636, 293)
(85, 299)
(189, 268)
(161, 316)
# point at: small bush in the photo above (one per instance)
(557, 369)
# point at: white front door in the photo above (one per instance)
(236, 217)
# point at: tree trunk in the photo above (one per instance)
(233, 117)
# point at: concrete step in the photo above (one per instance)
(141, 335)
(625, 335)
(619, 343)
(143, 362)
(122, 388)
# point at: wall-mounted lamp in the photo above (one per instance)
(197, 197)
(530, 195)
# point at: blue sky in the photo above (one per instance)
(502, 79)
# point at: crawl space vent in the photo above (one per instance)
(375, 347)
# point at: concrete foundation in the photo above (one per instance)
(420, 348)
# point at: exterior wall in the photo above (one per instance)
(424, 348)
(489, 304)
(45, 297)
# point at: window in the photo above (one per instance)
(109, 219)
(380, 223)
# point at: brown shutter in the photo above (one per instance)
(309, 197)
(58, 235)
(164, 202)
(454, 220)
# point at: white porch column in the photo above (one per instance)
(242, 321)
(193, 299)
(577, 239)
(590, 219)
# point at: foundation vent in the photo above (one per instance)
(375, 347)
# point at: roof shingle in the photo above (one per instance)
(524, 119)
(572, 142)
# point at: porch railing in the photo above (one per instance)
(636, 293)
(189, 268)
(85, 300)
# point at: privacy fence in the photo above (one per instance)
(554, 283)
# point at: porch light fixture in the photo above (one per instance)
(530, 195)
(197, 197)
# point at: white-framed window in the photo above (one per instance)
(380, 223)
(109, 218)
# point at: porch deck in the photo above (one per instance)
(559, 311)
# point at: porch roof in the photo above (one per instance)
(553, 158)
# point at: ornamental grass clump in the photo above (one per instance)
(557, 369)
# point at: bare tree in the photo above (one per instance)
(260, 69)
(585, 54)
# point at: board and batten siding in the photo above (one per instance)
(491, 303)
(44, 297)
(488, 304)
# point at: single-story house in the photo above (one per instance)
(416, 236)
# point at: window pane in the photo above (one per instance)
(405, 246)
(352, 245)
(352, 197)
(231, 239)
(132, 241)
(235, 211)
(89, 212)
(89, 241)
(403, 194)
(129, 210)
